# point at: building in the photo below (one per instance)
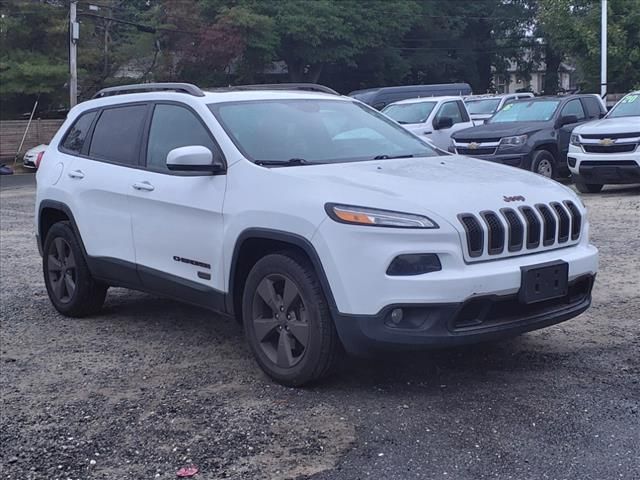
(513, 80)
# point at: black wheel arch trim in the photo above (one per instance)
(61, 207)
(286, 237)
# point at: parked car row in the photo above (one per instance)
(552, 136)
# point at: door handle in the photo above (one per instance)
(76, 174)
(145, 186)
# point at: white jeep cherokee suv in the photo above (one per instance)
(316, 220)
(607, 151)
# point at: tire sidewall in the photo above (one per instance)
(284, 265)
(540, 155)
(83, 280)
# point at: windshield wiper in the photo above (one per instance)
(387, 157)
(292, 162)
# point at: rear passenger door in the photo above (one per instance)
(177, 216)
(105, 146)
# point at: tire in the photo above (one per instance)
(287, 321)
(544, 163)
(71, 288)
(589, 187)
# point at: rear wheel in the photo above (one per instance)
(544, 163)
(589, 187)
(287, 321)
(70, 286)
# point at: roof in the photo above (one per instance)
(425, 99)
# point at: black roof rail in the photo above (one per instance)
(310, 87)
(150, 87)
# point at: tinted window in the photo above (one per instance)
(322, 131)
(74, 140)
(172, 127)
(450, 110)
(574, 107)
(116, 137)
(410, 112)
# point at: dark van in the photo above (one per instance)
(382, 96)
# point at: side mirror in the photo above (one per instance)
(568, 120)
(443, 123)
(194, 158)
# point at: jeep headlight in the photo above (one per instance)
(516, 141)
(575, 139)
(374, 217)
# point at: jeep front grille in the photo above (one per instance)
(511, 231)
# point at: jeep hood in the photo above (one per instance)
(610, 125)
(499, 130)
(444, 186)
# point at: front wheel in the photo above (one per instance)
(544, 163)
(589, 187)
(70, 286)
(287, 321)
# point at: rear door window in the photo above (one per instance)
(117, 134)
(593, 107)
(74, 139)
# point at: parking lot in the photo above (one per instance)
(151, 385)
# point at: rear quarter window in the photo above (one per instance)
(75, 137)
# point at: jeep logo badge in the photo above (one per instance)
(516, 198)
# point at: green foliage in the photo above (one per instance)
(346, 44)
(573, 28)
(32, 63)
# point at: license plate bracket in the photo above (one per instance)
(544, 281)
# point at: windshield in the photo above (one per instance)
(314, 131)
(629, 106)
(523, 111)
(482, 107)
(410, 112)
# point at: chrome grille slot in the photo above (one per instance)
(475, 234)
(576, 219)
(516, 229)
(549, 227)
(564, 225)
(495, 229)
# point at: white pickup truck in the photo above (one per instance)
(607, 151)
(433, 118)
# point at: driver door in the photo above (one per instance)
(177, 216)
(450, 109)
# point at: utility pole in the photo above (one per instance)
(74, 34)
(603, 51)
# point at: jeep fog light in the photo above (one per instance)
(396, 316)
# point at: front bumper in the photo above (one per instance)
(604, 169)
(514, 159)
(475, 320)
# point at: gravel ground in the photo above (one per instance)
(150, 385)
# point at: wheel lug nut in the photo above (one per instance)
(282, 309)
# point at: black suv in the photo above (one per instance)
(532, 134)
